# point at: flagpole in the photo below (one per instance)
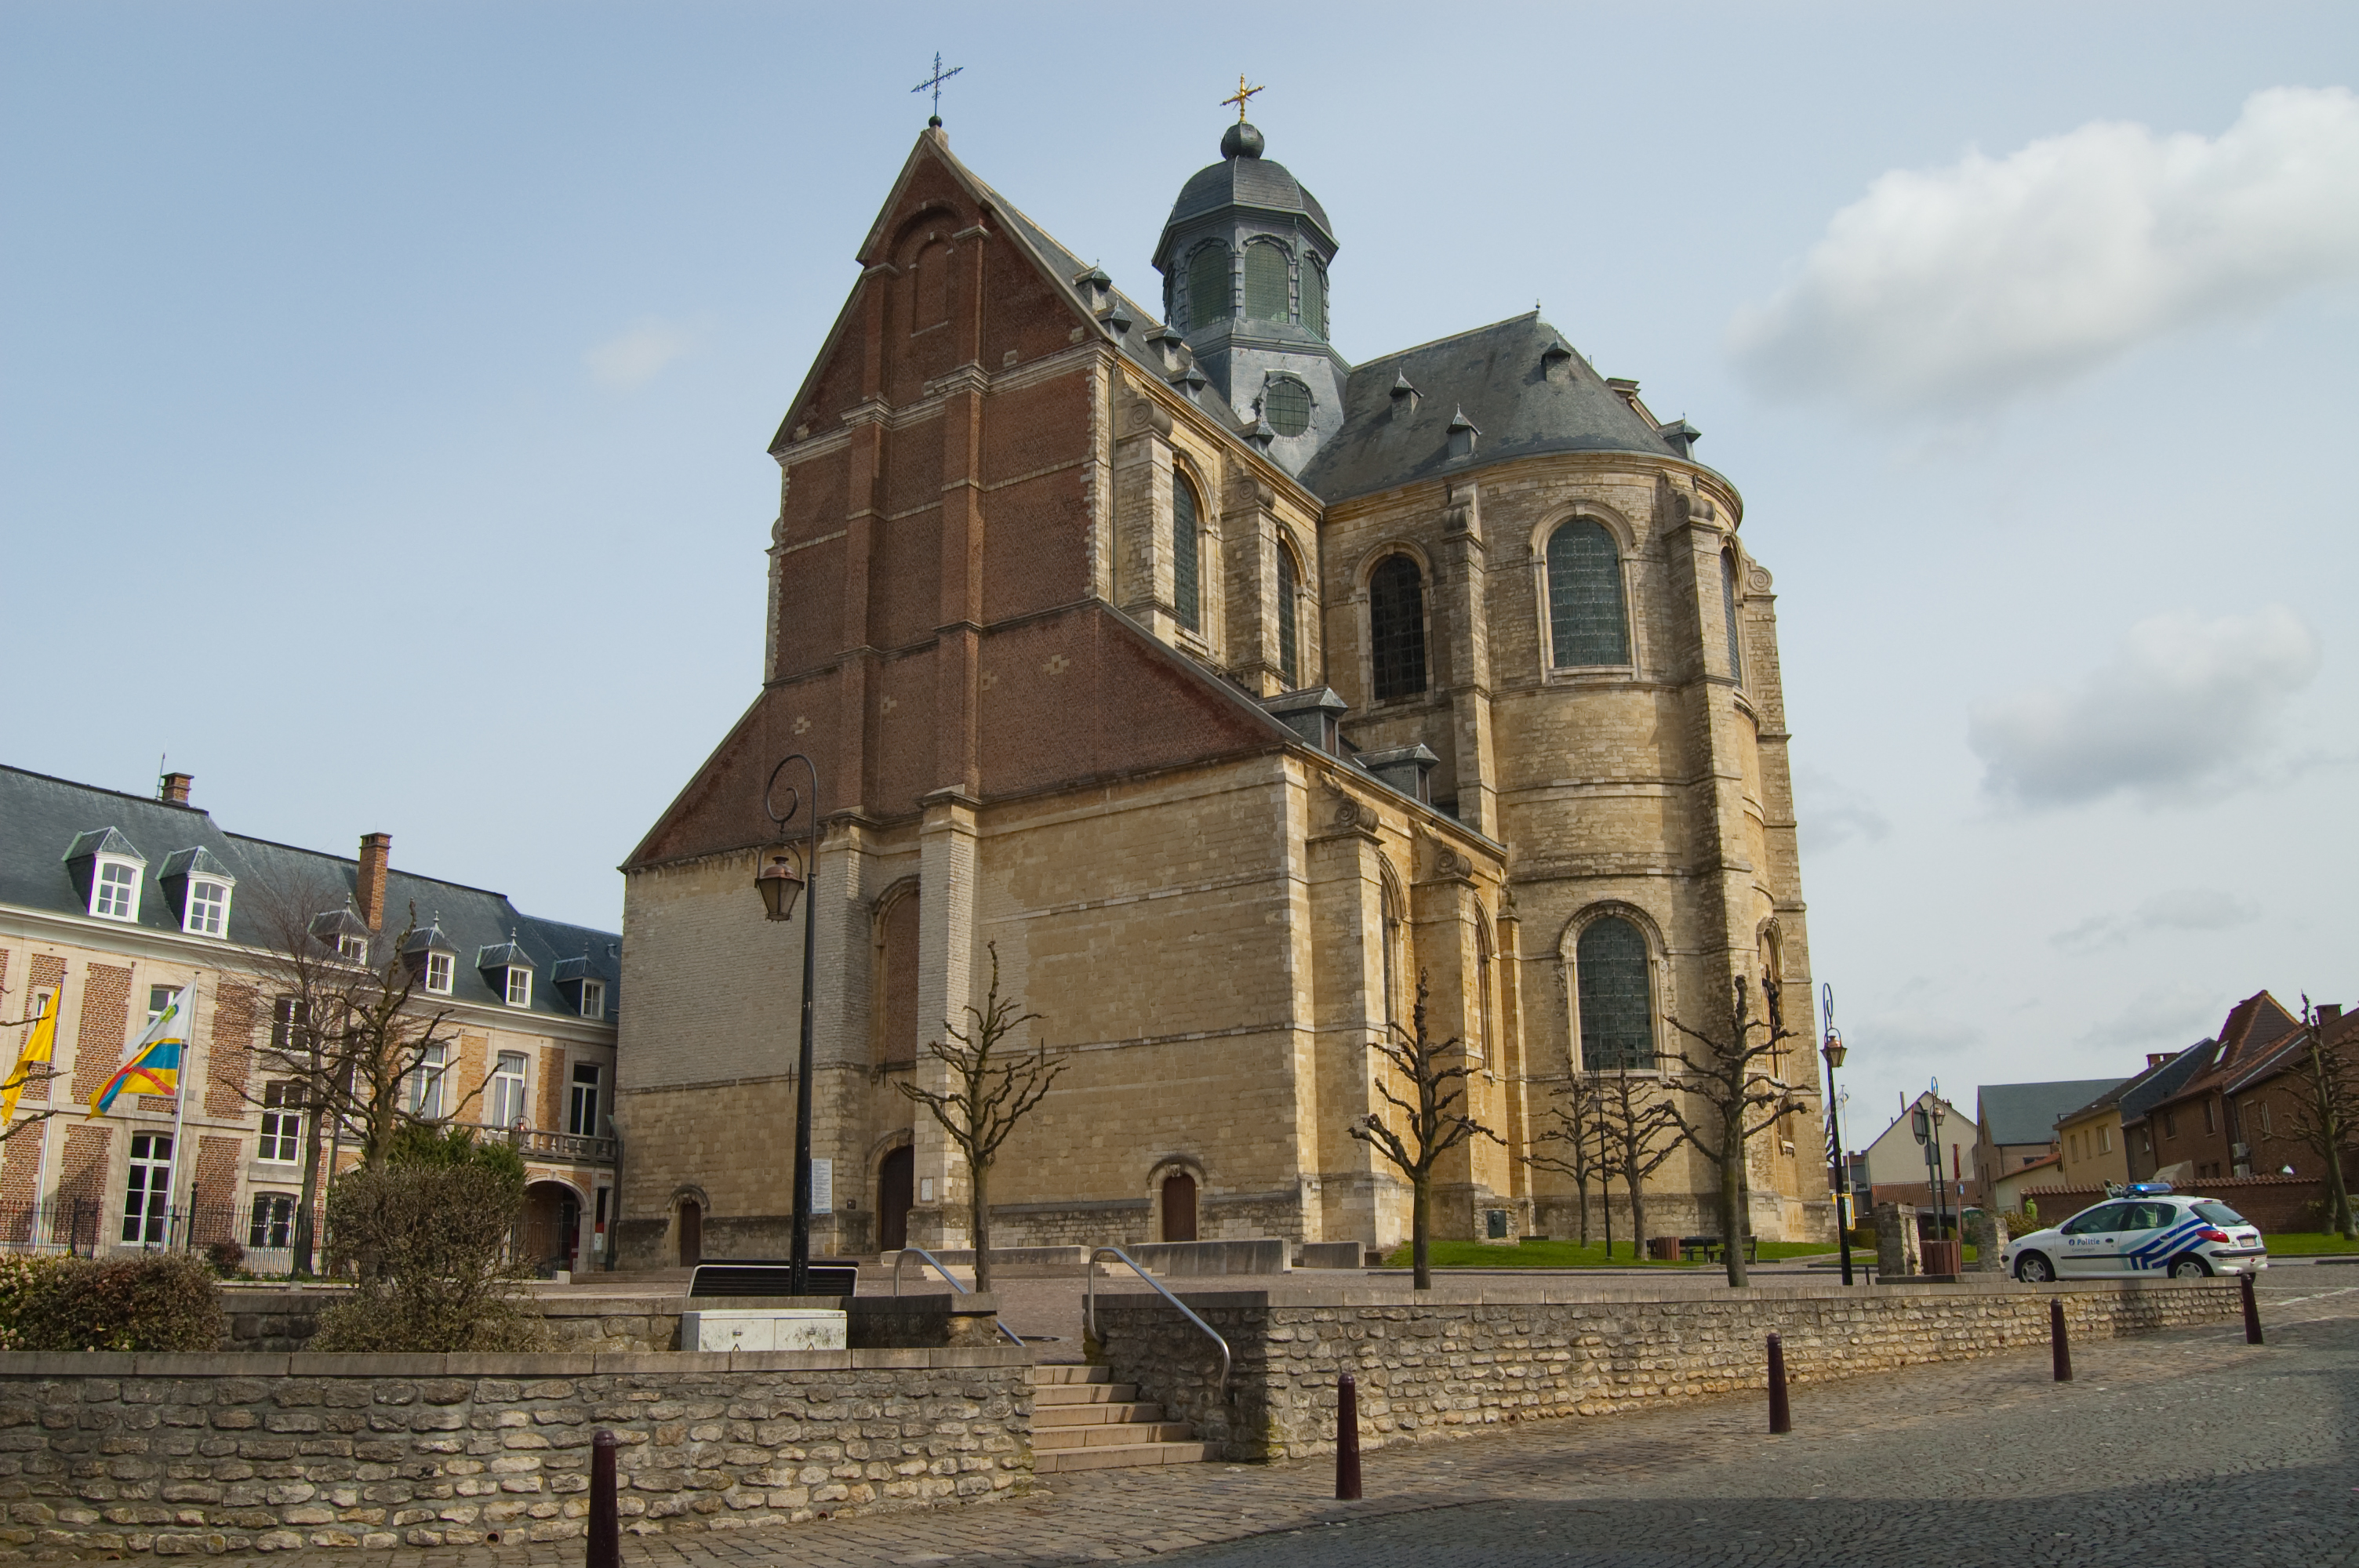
(180, 1081)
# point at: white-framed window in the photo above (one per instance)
(581, 1114)
(158, 998)
(114, 890)
(273, 1220)
(506, 1093)
(148, 1196)
(519, 987)
(422, 1084)
(439, 969)
(353, 949)
(208, 909)
(594, 999)
(282, 1122)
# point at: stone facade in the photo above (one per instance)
(211, 1454)
(1457, 1359)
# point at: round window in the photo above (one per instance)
(1286, 403)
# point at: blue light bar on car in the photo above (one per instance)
(2148, 1189)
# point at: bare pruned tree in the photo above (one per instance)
(349, 1028)
(2325, 1115)
(1734, 1075)
(1573, 1145)
(1434, 1078)
(990, 1091)
(1641, 1131)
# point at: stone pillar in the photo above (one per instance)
(946, 876)
(1473, 772)
(1896, 1241)
(1987, 1234)
(1142, 505)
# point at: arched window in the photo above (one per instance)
(1483, 982)
(1397, 627)
(894, 1044)
(1390, 912)
(1289, 638)
(1286, 403)
(1617, 1012)
(1266, 284)
(929, 284)
(1314, 297)
(1208, 287)
(1187, 592)
(1728, 610)
(1587, 623)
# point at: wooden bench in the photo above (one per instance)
(1709, 1249)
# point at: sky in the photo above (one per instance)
(385, 392)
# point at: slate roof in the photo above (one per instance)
(2158, 1083)
(1251, 181)
(40, 816)
(1495, 377)
(2027, 1113)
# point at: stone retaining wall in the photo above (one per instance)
(233, 1452)
(1459, 1358)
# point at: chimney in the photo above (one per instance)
(174, 790)
(2329, 1011)
(2156, 1058)
(369, 887)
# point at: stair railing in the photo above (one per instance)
(903, 1256)
(1091, 1292)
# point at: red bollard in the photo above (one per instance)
(1347, 1440)
(2058, 1344)
(2252, 1310)
(1781, 1418)
(605, 1526)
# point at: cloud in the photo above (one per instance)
(1953, 290)
(2177, 713)
(638, 355)
(1832, 813)
(2182, 909)
(2166, 1020)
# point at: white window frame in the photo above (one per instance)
(264, 1221)
(441, 968)
(508, 991)
(590, 1091)
(421, 1087)
(282, 1124)
(100, 902)
(207, 897)
(147, 1190)
(353, 949)
(510, 1104)
(594, 999)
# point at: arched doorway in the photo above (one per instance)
(552, 1225)
(692, 1233)
(1180, 1206)
(895, 1189)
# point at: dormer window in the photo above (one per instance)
(594, 999)
(507, 968)
(518, 993)
(106, 872)
(431, 957)
(440, 966)
(353, 949)
(117, 897)
(208, 912)
(198, 888)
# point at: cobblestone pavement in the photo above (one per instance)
(2187, 1447)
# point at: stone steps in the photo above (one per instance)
(1082, 1419)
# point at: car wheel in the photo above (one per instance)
(2034, 1270)
(2190, 1267)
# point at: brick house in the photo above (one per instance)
(111, 902)
(2092, 1145)
(1229, 690)
(2262, 1101)
(2188, 1135)
(2015, 1125)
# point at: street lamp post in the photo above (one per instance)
(1834, 1052)
(780, 882)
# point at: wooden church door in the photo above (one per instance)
(894, 1195)
(1180, 1207)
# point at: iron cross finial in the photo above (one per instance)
(1243, 93)
(935, 84)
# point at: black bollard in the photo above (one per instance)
(2062, 1347)
(1347, 1440)
(1781, 1418)
(605, 1526)
(2252, 1310)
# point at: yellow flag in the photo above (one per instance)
(35, 1054)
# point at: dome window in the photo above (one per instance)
(1286, 403)
(1266, 283)
(1314, 299)
(1208, 287)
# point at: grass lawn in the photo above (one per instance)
(1573, 1255)
(2307, 1244)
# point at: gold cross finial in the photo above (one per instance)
(1243, 93)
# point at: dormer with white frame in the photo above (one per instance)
(583, 991)
(106, 872)
(344, 933)
(198, 887)
(432, 959)
(508, 970)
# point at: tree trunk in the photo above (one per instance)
(300, 1262)
(1421, 1233)
(1582, 1187)
(979, 1222)
(1605, 1207)
(1732, 1198)
(2330, 1123)
(1637, 1212)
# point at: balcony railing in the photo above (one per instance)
(529, 1140)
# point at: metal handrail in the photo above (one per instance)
(907, 1249)
(1091, 1292)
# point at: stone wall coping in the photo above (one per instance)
(321, 1364)
(672, 1306)
(1315, 1294)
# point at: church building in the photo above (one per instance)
(1228, 693)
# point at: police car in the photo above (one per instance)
(2146, 1230)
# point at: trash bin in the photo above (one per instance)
(1663, 1249)
(1944, 1257)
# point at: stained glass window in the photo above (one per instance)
(1728, 610)
(1618, 1027)
(1286, 403)
(1289, 656)
(1587, 624)
(1314, 298)
(1266, 284)
(1187, 597)
(1208, 287)
(1397, 627)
